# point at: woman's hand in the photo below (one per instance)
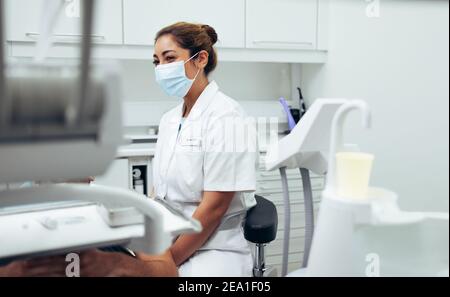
(161, 265)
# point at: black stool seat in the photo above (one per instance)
(262, 222)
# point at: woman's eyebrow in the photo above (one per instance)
(168, 51)
(155, 56)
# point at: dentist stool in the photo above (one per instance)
(260, 228)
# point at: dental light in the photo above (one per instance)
(62, 121)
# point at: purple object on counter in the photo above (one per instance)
(287, 110)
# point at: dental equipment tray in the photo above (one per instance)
(58, 228)
(118, 217)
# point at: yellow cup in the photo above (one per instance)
(353, 171)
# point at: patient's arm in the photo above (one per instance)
(95, 263)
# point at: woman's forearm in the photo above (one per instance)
(186, 245)
(149, 265)
(209, 213)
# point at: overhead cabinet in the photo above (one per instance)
(282, 24)
(144, 18)
(285, 31)
(24, 21)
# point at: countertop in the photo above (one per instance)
(148, 149)
(136, 150)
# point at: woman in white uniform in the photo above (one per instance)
(205, 163)
(206, 159)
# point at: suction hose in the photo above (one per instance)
(309, 214)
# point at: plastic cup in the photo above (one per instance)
(353, 171)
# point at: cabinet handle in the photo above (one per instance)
(306, 43)
(74, 37)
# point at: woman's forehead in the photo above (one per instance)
(165, 44)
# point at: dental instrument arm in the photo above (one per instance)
(160, 223)
(88, 16)
(3, 100)
(57, 106)
(51, 114)
(287, 221)
(337, 135)
(309, 214)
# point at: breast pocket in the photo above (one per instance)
(189, 160)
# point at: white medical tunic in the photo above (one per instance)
(213, 149)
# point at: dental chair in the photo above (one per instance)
(260, 228)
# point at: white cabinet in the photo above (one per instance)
(284, 31)
(24, 18)
(144, 18)
(132, 173)
(282, 24)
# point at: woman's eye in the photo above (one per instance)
(170, 59)
(156, 63)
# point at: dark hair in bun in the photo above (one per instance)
(195, 38)
(211, 33)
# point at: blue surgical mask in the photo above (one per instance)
(172, 78)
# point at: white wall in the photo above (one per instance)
(242, 81)
(398, 63)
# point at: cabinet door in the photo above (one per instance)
(144, 18)
(24, 19)
(282, 24)
(117, 175)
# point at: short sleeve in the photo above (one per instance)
(231, 154)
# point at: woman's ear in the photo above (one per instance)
(202, 59)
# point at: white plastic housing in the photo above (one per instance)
(64, 156)
(307, 146)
